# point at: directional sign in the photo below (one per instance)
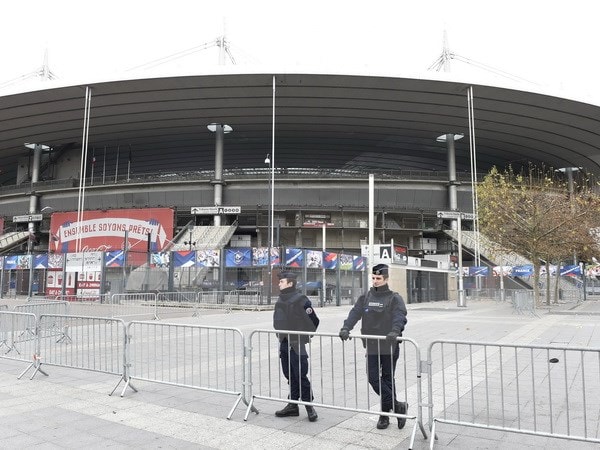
(28, 218)
(208, 210)
(455, 215)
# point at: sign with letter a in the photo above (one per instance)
(385, 254)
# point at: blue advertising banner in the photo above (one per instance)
(114, 258)
(330, 260)
(359, 263)
(238, 257)
(522, 271)
(571, 270)
(184, 258)
(10, 262)
(478, 271)
(294, 257)
(40, 262)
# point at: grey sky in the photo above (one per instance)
(553, 43)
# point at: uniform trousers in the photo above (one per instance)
(381, 369)
(295, 369)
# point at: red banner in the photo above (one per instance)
(108, 230)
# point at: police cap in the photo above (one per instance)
(287, 275)
(381, 269)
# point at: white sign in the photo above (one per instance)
(455, 215)
(28, 218)
(84, 262)
(208, 210)
(382, 253)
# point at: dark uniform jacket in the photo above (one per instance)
(294, 312)
(381, 311)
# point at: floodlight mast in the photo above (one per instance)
(443, 63)
(221, 42)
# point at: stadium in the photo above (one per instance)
(192, 183)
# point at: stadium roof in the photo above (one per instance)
(367, 123)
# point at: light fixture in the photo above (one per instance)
(267, 159)
(213, 127)
(443, 137)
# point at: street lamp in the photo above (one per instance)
(190, 243)
(270, 231)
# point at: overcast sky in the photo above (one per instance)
(551, 43)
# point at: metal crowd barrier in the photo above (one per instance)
(77, 298)
(89, 343)
(548, 391)
(39, 308)
(184, 299)
(17, 335)
(228, 300)
(134, 305)
(338, 374)
(3, 307)
(523, 302)
(38, 298)
(200, 357)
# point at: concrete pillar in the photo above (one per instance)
(220, 130)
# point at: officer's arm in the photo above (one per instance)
(355, 313)
(399, 314)
(312, 315)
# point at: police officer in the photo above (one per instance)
(383, 313)
(293, 311)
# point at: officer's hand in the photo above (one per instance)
(392, 337)
(344, 334)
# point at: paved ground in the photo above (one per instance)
(71, 408)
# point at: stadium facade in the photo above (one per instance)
(289, 153)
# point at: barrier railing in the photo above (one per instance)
(547, 391)
(134, 305)
(90, 343)
(338, 374)
(200, 357)
(39, 308)
(17, 335)
(78, 298)
(3, 307)
(535, 390)
(38, 298)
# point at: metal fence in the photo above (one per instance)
(39, 308)
(338, 374)
(134, 305)
(200, 357)
(17, 335)
(547, 391)
(89, 343)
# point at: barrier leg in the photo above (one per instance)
(433, 437)
(250, 407)
(38, 368)
(127, 385)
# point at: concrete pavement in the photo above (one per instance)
(71, 408)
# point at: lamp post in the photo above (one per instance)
(270, 232)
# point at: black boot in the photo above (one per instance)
(290, 410)
(401, 408)
(383, 422)
(312, 414)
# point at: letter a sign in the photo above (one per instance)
(385, 253)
